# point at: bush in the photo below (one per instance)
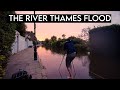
(58, 45)
(2, 61)
(7, 36)
(2, 72)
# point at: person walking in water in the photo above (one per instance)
(71, 54)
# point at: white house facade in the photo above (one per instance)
(20, 43)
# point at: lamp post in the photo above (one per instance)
(35, 49)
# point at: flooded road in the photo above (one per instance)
(52, 60)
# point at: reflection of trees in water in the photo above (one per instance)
(83, 57)
(61, 51)
(47, 48)
(79, 55)
(84, 60)
(54, 50)
(57, 51)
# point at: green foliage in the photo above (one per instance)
(2, 72)
(21, 28)
(58, 45)
(7, 37)
(7, 33)
(53, 38)
(3, 61)
(63, 36)
(2, 57)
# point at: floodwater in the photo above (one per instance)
(52, 61)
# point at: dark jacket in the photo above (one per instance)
(69, 47)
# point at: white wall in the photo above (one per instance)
(29, 43)
(20, 43)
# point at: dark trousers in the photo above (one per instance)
(70, 58)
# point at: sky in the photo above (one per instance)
(46, 30)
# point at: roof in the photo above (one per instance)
(32, 36)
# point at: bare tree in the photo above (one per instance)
(84, 34)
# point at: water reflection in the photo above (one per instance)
(52, 60)
(84, 67)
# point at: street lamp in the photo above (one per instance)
(35, 48)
